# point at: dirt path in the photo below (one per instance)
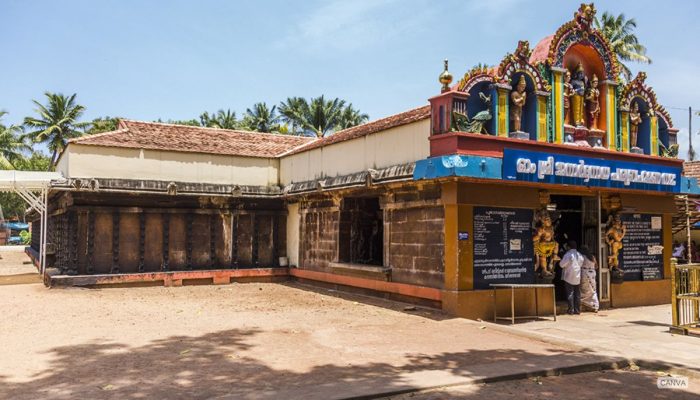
(237, 341)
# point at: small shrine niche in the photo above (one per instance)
(640, 127)
(585, 103)
(526, 111)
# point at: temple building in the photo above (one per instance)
(484, 185)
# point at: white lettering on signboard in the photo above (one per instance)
(589, 172)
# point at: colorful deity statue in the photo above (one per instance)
(615, 233)
(578, 84)
(546, 248)
(568, 91)
(635, 120)
(592, 98)
(518, 98)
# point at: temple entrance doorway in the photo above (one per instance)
(577, 218)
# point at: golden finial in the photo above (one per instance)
(445, 78)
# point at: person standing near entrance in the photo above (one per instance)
(571, 275)
(589, 295)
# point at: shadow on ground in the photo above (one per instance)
(215, 365)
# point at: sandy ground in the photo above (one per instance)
(16, 267)
(620, 384)
(250, 341)
(239, 340)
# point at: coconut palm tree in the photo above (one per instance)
(220, 119)
(261, 118)
(351, 117)
(624, 42)
(57, 122)
(291, 113)
(12, 145)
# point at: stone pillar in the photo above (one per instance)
(609, 88)
(654, 135)
(502, 110)
(541, 115)
(558, 103)
(625, 129)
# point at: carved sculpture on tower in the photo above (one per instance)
(568, 91)
(635, 120)
(592, 99)
(518, 98)
(578, 84)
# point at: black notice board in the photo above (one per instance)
(642, 247)
(503, 250)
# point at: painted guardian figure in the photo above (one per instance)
(546, 247)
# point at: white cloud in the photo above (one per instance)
(349, 25)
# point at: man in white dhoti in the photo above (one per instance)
(571, 275)
(589, 295)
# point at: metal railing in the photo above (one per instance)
(685, 300)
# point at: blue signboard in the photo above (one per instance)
(532, 166)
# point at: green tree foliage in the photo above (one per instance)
(261, 118)
(220, 119)
(187, 122)
(103, 124)
(12, 144)
(57, 122)
(624, 42)
(319, 116)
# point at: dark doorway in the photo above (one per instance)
(568, 225)
(361, 231)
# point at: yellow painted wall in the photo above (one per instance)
(82, 161)
(459, 298)
(403, 144)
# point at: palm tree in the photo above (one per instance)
(319, 117)
(57, 122)
(103, 124)
(261, 118)
(12, 145)
(291, 112)
(620, 33)
(220, 119)
(351, 117)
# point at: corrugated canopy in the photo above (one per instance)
(28, 180)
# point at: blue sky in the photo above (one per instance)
(174, 59)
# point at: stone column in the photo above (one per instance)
(558, 103)
(654, 135)
(609, 88)
(541, 115)
(502, 109)
(625, 129)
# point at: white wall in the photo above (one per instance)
(87, 161)
(293, 221)
(399, 145)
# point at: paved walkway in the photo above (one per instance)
(640, 333)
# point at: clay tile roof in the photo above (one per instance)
(391, 121)
(541, 51)
(691, 169)
(169, 137)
